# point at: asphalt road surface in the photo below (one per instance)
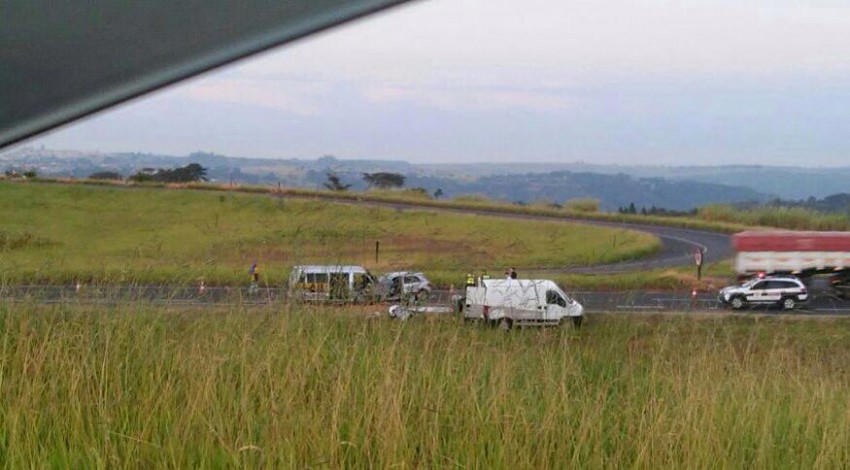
(821, 303)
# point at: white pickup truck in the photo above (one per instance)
(509, 302)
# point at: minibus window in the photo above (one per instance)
(339, 286)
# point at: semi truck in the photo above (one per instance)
(793, 252)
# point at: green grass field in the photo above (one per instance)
(53, 233)
(137, 386)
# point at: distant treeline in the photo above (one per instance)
(190, 173)
(632, 209)
(835, 203)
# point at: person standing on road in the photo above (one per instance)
(254, 271)
(470, 280)
(512, 274)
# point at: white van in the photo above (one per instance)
(331, 283)
(509, 302)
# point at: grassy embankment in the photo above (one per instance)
(792, 218)
(714, 217)
(578, 210)
(58, 233)
(138, 386)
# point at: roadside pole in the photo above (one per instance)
(698, 262)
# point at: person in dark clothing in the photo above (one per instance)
(513, 274)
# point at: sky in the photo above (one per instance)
(656, 82)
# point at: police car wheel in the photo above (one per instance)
(789, 303)
(737, 303)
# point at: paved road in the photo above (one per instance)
(677, 244)
(822, 302)
(627, 302)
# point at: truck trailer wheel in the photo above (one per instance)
(505, 324)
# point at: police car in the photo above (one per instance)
(783, 291)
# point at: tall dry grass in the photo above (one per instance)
(791, 218)
(136, 386)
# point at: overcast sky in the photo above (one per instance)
(653, 81)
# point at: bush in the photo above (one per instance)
(106, 175)
(583, 204)
(417, 193)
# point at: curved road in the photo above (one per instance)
(677, 244)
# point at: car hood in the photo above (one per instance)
(732, 290)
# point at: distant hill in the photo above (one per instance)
(784, 182)
(613, 191)
(679, 188)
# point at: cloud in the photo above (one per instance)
(298, 98)
(556, 43)
(663, 80)
(468, 99)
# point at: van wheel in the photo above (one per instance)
(789, 303)
(737, 303)
(505, 324)
(577, 321)
(421, 295)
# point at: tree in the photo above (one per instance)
(189, 173)
(334, 183)
(438, 193)
(106, 175)
(384, 180)
(632, 209)
(142, 177)
(186, 174)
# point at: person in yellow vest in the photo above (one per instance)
(470, 279)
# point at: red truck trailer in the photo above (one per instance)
(784, 251)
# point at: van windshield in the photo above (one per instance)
(554, 297)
